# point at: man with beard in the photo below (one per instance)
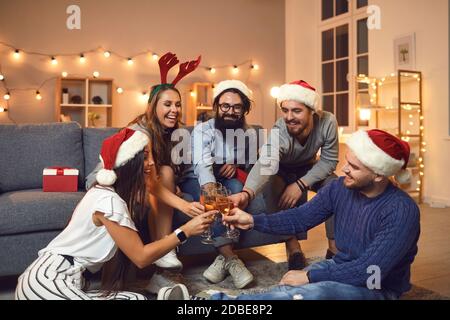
(302, 131)
(377, 227)
(217, 158)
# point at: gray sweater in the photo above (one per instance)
(292, 154)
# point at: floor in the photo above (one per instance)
(431, 269)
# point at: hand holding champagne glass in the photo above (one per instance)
(208, 195)
(223, 204)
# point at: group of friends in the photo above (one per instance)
(124, 222)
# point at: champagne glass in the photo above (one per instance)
(223, 204)
(208, 200)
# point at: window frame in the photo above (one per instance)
(351, 18)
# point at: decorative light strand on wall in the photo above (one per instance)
(18, 54)
(130, 60)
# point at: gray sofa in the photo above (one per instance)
(30, 218)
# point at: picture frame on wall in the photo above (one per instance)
(405, 52)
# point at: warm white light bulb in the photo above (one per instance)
(274, 92)
(364, 114)
(82, 58)
(144, 97)
(235, 70)
(2, 109)
(2, 77)
(119, 90)
(107, 54)
(130, 62)
(54, 61)
(7, 96)
(155, 56)
(64, 74)
(16, 54)
(193, 93)
(96, 74)
(255, 67)
(38, 95)
(212, 70)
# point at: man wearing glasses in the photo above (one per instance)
(217, 158)
(302, 131)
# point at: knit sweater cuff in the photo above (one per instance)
(318, 275)
(260, 222)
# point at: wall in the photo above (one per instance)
(429, 20)
(223, 32)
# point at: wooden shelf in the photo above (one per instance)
(88, 89)
(390, 109)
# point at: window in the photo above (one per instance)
(333, 8)
(335, 64)
(345, 54)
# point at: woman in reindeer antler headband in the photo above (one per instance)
(160, 119)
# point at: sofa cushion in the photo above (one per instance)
(27, 149)
(92, 143)
(35, 210)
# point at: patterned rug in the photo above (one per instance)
(267, 274)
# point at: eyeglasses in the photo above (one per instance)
(237, 108)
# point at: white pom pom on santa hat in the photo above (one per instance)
(403, 176)
(106, 177)
(117, 150)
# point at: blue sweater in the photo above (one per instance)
(381, 231)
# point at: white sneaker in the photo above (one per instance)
(240, 274)
(157, 282)
(177, 292)
(216, 272)
(169, 261)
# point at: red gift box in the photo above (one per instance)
(60, 179)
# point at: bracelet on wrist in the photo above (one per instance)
(300, 186)
(248, 193)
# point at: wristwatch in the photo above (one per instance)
(181, 235)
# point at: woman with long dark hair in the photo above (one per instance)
(160, 119)
(105, 224)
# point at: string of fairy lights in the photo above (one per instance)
(365, 113)
(54, 59)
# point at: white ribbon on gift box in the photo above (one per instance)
(54, 172)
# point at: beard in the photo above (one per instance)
(361, 185)
(233, 122)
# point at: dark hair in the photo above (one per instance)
(130, 186)
(247, 103)
(160, 137)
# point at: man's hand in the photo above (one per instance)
(193, 209)
(239, 200)
(227, 171)
(238, 219)
(290, 197)
(294, 278)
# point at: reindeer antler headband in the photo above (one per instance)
(166, 62)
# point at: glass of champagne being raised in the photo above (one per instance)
(208, 200)
(223, 204)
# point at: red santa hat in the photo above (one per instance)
(231, 84)
(381, 152)
(299, 91)
(117, 150)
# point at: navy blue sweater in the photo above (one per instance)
(381, 231)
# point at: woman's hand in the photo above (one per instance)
(193, 209)
(199, 224)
